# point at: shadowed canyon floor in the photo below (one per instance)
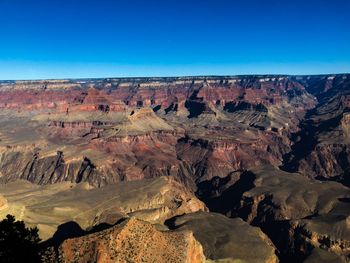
(125, 159)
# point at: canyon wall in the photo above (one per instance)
(110, 130)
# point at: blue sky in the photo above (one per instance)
(105, 38)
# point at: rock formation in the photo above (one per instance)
(133, 241)
(297, 213)
(227, 240)
(105, 131)
(271, 150)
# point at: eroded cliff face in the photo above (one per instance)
(105, 131)
(321, 147)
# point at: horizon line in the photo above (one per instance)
(178, 76)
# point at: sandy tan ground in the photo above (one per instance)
(49, 206)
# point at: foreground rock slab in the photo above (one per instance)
(133, 241)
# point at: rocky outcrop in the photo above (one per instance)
(297, 213)
(276, 195)
(133, 241)
(227, 240)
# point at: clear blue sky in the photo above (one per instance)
(83, 38)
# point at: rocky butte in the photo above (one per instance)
(229, 169)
